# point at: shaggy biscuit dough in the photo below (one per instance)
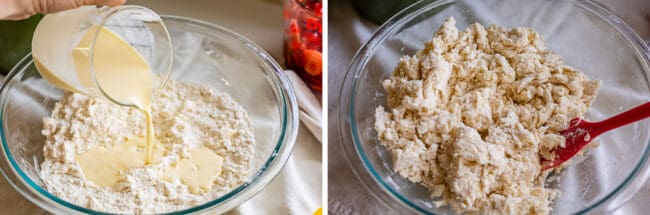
(471, 114)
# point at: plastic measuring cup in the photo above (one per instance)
(58, 34)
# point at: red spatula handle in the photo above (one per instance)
(580, 133)
(635, 114)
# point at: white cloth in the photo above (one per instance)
(310, 108)
(347, 32)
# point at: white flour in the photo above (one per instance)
(471, 114)
(185, 116)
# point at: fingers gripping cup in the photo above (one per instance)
(123, 54)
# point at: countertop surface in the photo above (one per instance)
(292, 191)
(347, 33)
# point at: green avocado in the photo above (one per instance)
(16, 41)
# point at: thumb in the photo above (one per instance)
(52, 6)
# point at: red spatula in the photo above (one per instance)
(580, 133)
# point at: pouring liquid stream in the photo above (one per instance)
(121, 72)
(125, 76)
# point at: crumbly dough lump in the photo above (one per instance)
(470, 115)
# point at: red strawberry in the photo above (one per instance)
(312, 23)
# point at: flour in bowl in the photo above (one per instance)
(471, 114)
(186, 117)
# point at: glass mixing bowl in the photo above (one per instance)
(205, 54)
(588, 38)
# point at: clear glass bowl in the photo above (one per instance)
(205, 54)
(588, 38)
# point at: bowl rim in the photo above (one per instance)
(255, 183)
(354, 152)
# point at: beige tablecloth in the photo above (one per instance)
(297, 189)
(347, 32)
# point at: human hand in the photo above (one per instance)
(22, 9)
